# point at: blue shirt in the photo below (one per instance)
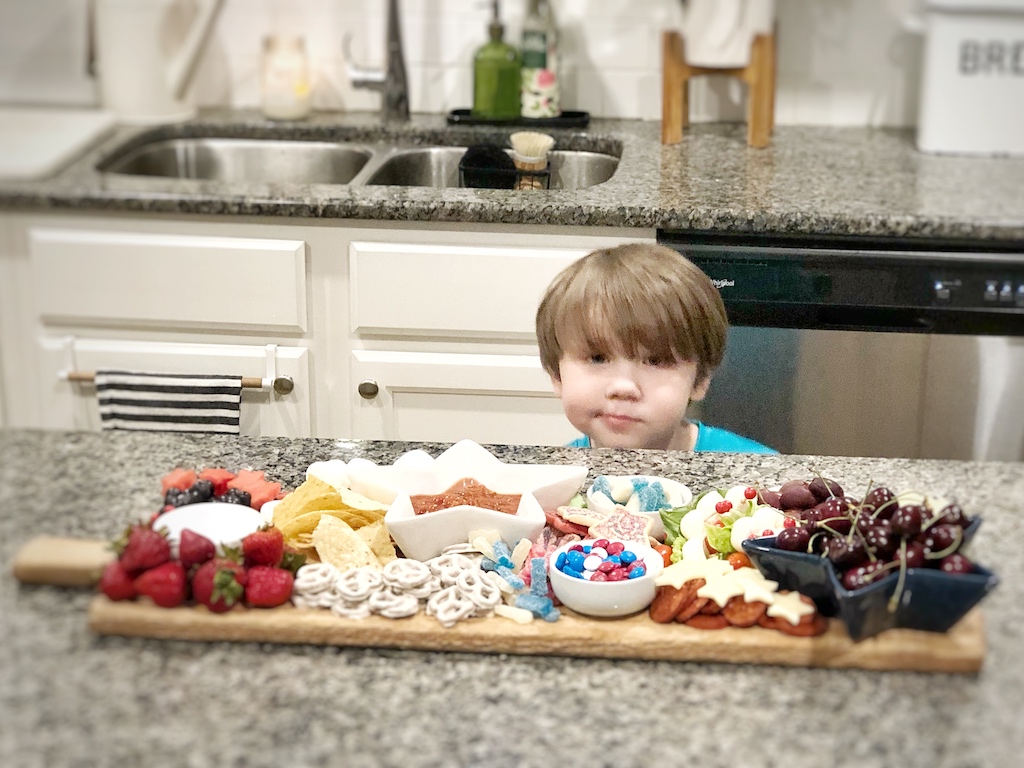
(711, 439)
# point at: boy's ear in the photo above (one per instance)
(556, 384)
(700, 388)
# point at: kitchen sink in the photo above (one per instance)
(244, 160)
(273, 161)
(439, 167)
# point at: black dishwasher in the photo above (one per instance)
(868, 346)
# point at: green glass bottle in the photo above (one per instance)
(496, 76)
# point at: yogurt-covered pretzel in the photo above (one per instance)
(358, 584)
(393, 604)
(315, 577)
(350, 610)
(449, 566)
(449, 606)
(406, 574)
(472, 584)
(427, 588)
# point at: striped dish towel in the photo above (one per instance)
(168, 402)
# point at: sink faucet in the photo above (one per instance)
(392, 81)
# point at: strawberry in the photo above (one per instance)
(264, 547)
(165, 585)
(116, 583)
(219, 584)
(194, 549)
(268, 587)
(144, 548)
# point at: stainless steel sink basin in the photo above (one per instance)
(439, 167)
(272, 161)
(244, 160)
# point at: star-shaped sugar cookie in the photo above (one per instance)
(624, 526)
(790, 606)
(721, 588)
(679, 573)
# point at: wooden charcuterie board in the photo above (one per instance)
(962, 649)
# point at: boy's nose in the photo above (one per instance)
(622, 384)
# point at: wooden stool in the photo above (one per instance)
(759, 75)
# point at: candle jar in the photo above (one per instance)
(285, 82)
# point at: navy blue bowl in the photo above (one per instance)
(931, 600)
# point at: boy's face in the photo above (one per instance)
(629, 403)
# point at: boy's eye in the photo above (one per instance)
(661, 362)
(597, 359)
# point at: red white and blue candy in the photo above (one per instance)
(601, 560)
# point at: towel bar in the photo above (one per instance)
(283, 385)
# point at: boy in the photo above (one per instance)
(630, 336)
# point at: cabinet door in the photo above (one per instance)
(71, 405)
(421, 396)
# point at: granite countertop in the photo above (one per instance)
(810, 181)
(69, 698)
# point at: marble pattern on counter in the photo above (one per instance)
(68, 698)
(809, 181)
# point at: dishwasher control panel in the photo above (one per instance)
(862, 288)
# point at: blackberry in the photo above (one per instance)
(235, 496)
(201, 490)
(176, 497)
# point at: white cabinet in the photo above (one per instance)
(439, 316)
(449, 396)
(443, 337)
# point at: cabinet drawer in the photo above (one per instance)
(451, 290)
(168, 280)
(71, 405)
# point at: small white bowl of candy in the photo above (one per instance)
(641, 494)
(604, 578)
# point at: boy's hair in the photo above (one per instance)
(632, 300)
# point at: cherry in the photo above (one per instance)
(861, 575)
(823, 488)
(723, 506)
(955, 563)
(789, 522)
(880, 538)
(846, 553)
(750, 493)
(940, 538)
(880, 502)
(914, 557)
(793, 539)
(953, 515)
(907, 520)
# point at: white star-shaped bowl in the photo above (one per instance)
(421, 537)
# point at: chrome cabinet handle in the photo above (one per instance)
(368, 389)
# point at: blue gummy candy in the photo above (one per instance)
(601, 485)
(538, 577)
(553, 615)
(509, 575)
(535, 604)
(488, 565)
(501, 550)
(651, 498)
(506, 561)
(627, 556)
(639, 484)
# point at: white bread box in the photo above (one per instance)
(972, 92)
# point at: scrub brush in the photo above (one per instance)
(530, 153)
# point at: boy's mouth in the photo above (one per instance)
(618, 419)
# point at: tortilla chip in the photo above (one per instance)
(379, 541)
(336, 543)
(312, 496)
